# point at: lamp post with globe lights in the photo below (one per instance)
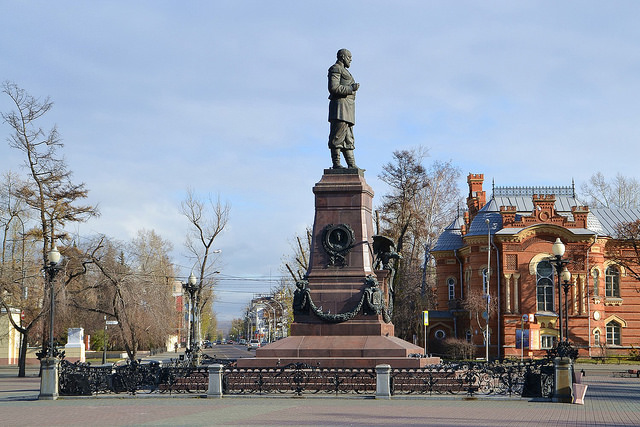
(191, 288)
(564, 353)
(49, 358)
(565, 276)
(562, 273)
(53, 259)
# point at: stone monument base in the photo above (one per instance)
(339, 352)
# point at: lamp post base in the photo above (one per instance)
(49, 378)
(562, 384)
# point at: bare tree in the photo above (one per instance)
(297, 262)
(131, 284)
(207, 220)
(48, 193)
(421, 202)
(625, 249)
(20, 273)
(476, 304)
(621, 192)
(406, 177)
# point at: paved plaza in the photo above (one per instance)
(611, 400)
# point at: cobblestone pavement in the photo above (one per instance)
(610, 401)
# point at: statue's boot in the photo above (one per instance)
(351, 161)
(335, 158)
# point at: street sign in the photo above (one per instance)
(112, 322)
(425, 318)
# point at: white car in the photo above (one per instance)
(253, 344)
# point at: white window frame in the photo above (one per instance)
(612, 282)
(614, 333)
(549, 305)
(549, 341)
(451, 286)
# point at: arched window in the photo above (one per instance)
(596, 281)
(544, 286)
(613, 333)
(612, 282)
(451, 284)
(596, 338)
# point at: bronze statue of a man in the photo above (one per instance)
(342, 110)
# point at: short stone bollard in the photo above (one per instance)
(215, 380)
(383, 381)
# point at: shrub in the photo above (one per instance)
(458, 349)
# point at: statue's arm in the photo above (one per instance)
(335, 88)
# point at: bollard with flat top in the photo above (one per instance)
(215, 380)
(383, 381)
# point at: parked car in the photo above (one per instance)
(253, 344)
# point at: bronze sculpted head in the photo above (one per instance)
(344, 56)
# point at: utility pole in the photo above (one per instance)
(487, 296)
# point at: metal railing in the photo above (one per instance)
(82, 379)
(513, 378)
(527, 379)
(299, 378)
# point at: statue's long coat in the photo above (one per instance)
(342, 104)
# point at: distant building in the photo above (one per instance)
(523, 223)
(266, 318)
(181, 334)
(9, 337)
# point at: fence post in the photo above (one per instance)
(215, 380)
(383, 381)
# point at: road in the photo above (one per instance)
(222, 351)
(226, 351)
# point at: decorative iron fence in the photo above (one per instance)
(82, 379)
(299, 378)
(526, 379)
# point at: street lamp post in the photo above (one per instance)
(270, 300)
(53, 258)
(487, 295)
(562, 387)
(566, 284)
(560, 265)
(191, 288)
(104, 342)
(49, 360)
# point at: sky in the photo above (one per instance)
(229, 98)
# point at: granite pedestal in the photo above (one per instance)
(336, 285)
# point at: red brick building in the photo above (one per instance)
(513, 233)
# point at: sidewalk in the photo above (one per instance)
(609, 401)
